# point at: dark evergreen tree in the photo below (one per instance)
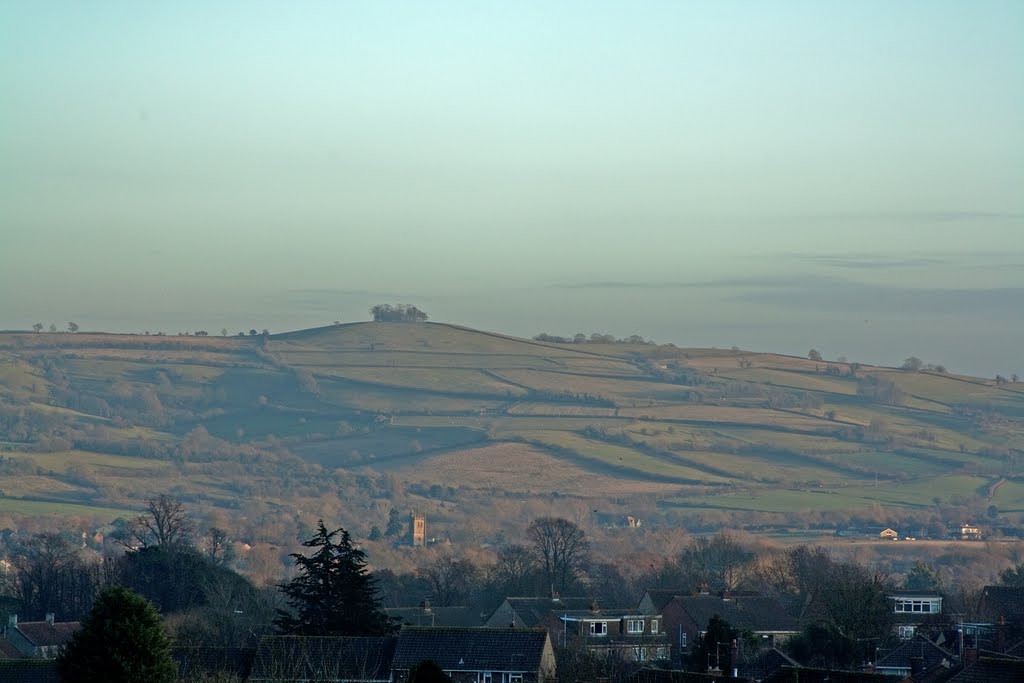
(333, 595)
(428, 671)
(714, 651)
(121, 641)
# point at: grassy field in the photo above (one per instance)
(90, 415)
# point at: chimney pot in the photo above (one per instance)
(12, 620)
(49, 618)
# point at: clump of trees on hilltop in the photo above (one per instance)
(594, 338)
(400, 313)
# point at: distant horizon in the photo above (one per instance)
(236, 331)
(778, 175)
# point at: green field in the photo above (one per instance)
(101, 420)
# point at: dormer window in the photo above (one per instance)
(918, 605)
(599, 628)
(634, 626)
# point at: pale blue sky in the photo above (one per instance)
(523, 166)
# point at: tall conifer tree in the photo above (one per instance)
(333, 594)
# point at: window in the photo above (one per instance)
(922, 606)
(682, 639)
(634, 626)
(906, 632)
(483, 677)
(599, 628)
(654, 625)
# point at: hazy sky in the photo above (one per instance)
(847, 175)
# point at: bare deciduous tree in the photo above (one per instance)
(516, 570)
(450, 579)
(165, 524)
(561, 549)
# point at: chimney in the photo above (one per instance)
(425, 607)
(49, 618)
(12, 620)
(970, 655)
(916, 665)
(594, 607)
(1001, 635)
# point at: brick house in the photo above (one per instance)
(632, 636)
(912, 609)
(477, 655)
(685, 617)
(40, 639)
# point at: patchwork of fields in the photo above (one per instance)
(92, 422)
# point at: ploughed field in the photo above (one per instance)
(93, 423)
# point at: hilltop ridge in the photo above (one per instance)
(450, 415)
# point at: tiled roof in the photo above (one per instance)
(43, 633)
(28, 671)
(199, 662)
(648, 675)
(323, 658)
(991, 671)
(918, 646)
(662, 596)
(471, 649)
(8, 651)
(1003, 601)
(791, 674)
(437, 616)
(530, 611)
(765, 663)
(747, 613)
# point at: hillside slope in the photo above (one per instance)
(336, 418)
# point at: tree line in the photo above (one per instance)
(399, 313)
(594, 338)
(187, 576)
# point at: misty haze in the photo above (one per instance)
(515, 342)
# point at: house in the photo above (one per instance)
(40, 639)
(1003, 601)
(282, 659)
(882, 532)
(632, 636)
(987, 670)
(913, 657)
(764, 663)
(968, 532)
(8, 651)
(534, 612)
(914, 608)
(791, 674)
(213, 663)
(428, 615)
(686, 617)
(477, 655)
